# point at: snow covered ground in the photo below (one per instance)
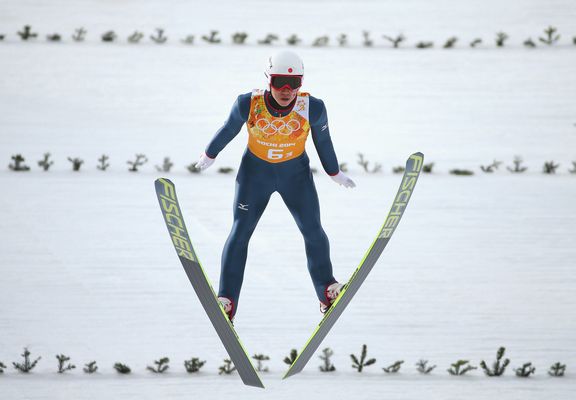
(87, 268)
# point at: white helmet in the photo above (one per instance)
(284, 63)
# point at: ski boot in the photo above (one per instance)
(228, 306)
(331, 293)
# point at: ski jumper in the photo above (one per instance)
(275, 160)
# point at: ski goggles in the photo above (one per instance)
(281, 81)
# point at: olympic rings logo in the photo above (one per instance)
(277, 126)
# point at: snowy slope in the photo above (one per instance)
(87, 268)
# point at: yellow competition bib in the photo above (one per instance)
(277, 139)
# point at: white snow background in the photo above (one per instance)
(86, 265)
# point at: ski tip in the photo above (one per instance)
(416, 161)
(163, 180)
(164, 184)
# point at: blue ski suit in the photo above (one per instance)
(258, 178)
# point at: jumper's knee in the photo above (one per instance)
(315, 234)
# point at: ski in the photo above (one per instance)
(166, 193)
(411, 173)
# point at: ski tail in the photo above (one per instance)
(412, 171)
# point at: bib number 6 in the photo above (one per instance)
(275, 154)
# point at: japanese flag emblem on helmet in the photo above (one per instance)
(284, 63)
